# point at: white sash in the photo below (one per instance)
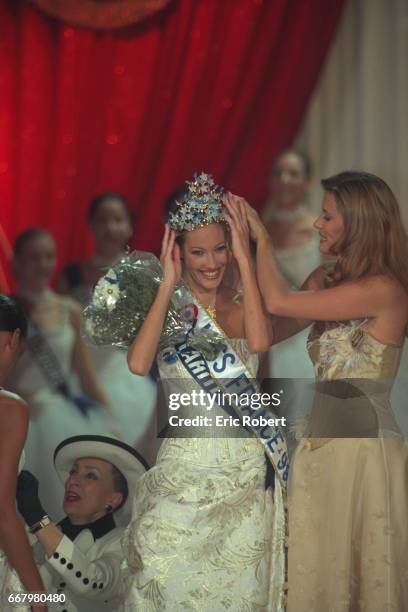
(228, 374)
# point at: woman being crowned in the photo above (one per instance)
(208, 523)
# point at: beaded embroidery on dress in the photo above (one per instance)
(202, 533)
(348, 495)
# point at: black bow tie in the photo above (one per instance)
(98, 528)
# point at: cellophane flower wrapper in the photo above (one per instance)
(122, 299)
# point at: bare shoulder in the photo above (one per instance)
(388, 287)
(306, 223)
(230, 296)
(230, 312)
(73, 307)
(67, 302)
(13, 408)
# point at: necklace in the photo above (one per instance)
(211, 310)
(289, 215)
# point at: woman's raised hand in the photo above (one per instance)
(257, 229)
(170, 258)
(235, 214)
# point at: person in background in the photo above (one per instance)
(81, 557)
(15, 549)
(289, 220)
(132, 397)
(55, 375)
(111, 223)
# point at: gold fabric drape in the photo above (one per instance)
(101, 14)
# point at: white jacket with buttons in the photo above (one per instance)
(87, 571)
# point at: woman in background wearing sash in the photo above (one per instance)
(348, 492)
(15, 549)
(132, 397)
(55, 361)
(202, 534)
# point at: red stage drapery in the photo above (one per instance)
(204, 85)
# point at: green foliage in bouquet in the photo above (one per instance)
(122, 299)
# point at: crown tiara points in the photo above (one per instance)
(201, 205)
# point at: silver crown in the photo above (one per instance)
(201, 205)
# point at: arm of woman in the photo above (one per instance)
(286, 327)
(13, 538)
(143, 349)
(257, 323)
(79, 572)
(363, 298)
(82, 361)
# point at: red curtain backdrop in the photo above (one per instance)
(203, 85)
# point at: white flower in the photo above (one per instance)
(89, 327)
(107, 290)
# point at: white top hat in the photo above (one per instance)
(125, 458)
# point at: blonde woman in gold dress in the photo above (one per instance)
(348, 489)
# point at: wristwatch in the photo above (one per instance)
(41, 524)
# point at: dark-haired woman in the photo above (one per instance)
(56, 375)
(348, 492)
(14, 546)
(132, 397)
(110, 221)
(81, 557)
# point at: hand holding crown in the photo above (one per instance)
(257, 229)
(170, 258)
(235, 215)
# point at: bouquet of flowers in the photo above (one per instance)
(122, 299)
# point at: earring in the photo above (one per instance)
(108, 508)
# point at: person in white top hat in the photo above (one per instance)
(80, 558)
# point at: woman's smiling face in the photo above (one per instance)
(206, 256)
(330, 225)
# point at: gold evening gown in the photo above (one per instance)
(348, 491)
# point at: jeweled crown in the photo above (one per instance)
(201, 205)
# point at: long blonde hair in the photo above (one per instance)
(374, 239)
